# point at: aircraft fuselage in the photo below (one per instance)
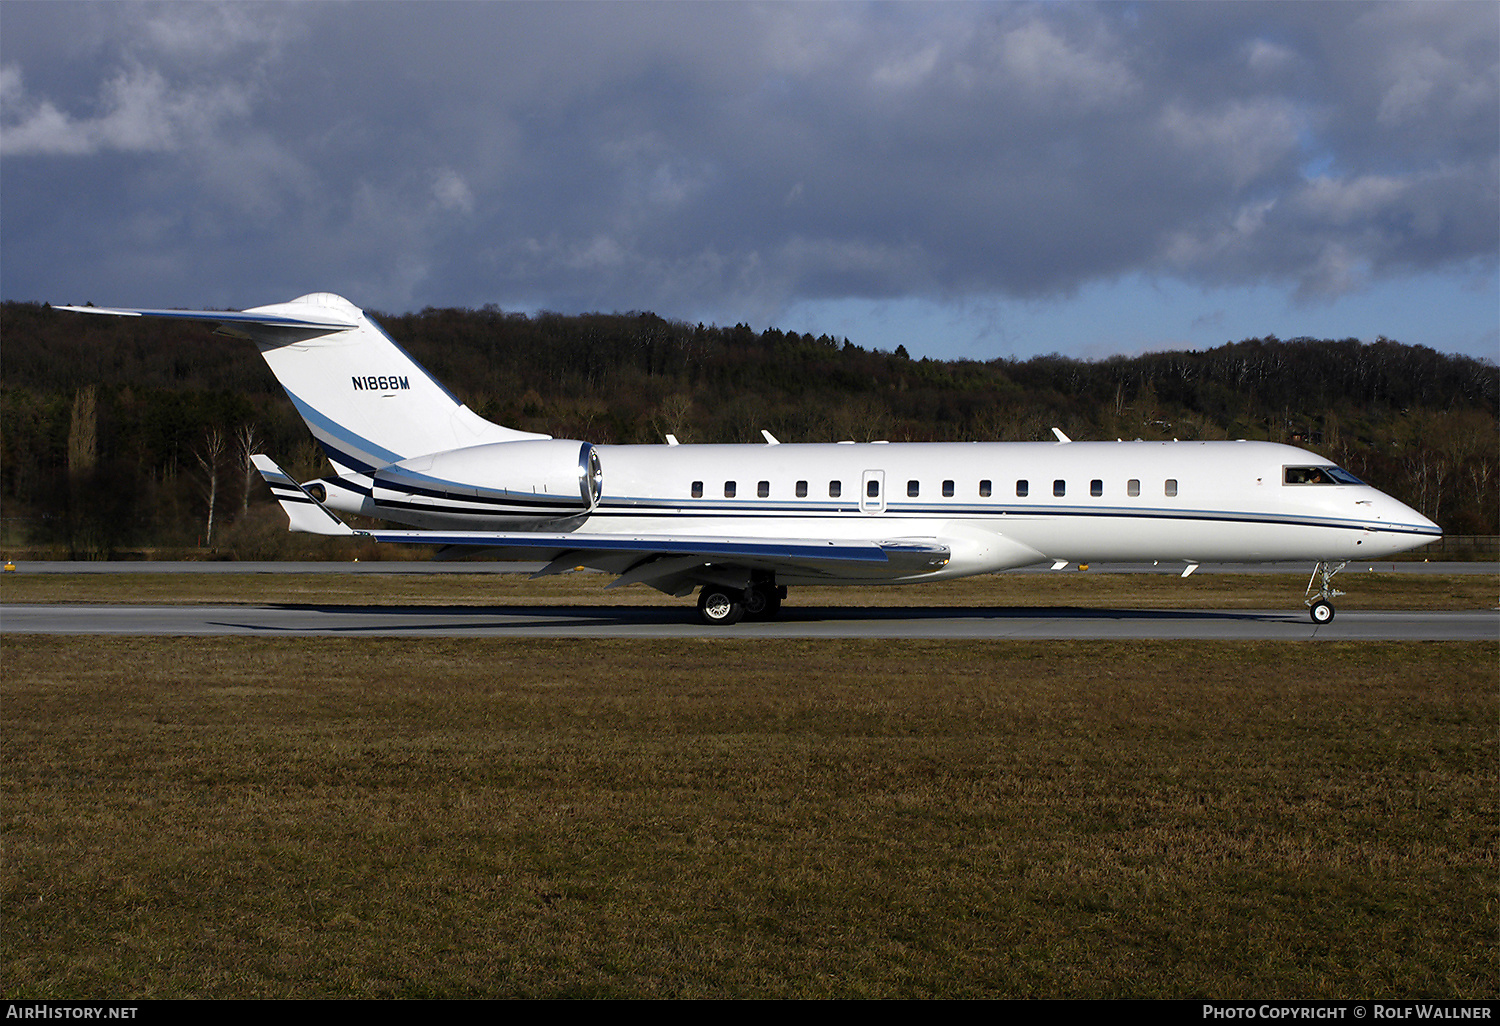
(997, 505)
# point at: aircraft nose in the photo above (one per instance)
(1400, 513)
(1408, 529)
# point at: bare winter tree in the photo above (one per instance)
(246, 444)
(210, 457)
(674, 416)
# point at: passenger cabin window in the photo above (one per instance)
(984, 489)
(763, 489)
(1022, 488)
(1096, 488)
(1059, 488)
(1133, 486)
(801, 489)
(913, 489)
(1319, 475)
(697, 489)
(729, 489)
(835, 489)
(947, 489)
(1171, 486)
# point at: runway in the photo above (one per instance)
(492, 567)
(602, 621)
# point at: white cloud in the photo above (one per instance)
(1337, 271)
(1037, 57)
(210, 33)
(452, 192)
(1422, 79)
(11, 89)
(803, 39)
(907, 71)
(140, 112)
(1345, 201)
(1195, 248)
(1244, 140)
(1267, 58)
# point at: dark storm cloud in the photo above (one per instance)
(706, 160)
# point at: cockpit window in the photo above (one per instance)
(1320, 475)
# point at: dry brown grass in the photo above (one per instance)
(243, 817)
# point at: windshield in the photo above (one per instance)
(1320, 475)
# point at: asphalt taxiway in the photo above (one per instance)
(607, 621)
(603, 621)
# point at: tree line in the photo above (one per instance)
(118, 433)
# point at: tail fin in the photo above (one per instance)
(368, 403)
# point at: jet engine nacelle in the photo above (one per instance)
(509, 481)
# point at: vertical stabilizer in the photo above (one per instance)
(368, 403)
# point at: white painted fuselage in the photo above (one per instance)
(995, 505)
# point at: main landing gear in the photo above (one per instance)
(721, 605)
(1320, 603)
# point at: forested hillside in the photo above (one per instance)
(122, 433)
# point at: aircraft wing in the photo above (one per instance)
(671, 563)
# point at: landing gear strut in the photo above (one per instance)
(1320, 603)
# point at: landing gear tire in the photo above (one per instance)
(1321, 612)
(720, 606)
(762, 602)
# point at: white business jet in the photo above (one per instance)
(741, 523)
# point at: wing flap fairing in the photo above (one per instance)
(603, 551)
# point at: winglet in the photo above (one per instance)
(305, 513)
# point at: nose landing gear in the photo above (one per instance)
(1320, 603)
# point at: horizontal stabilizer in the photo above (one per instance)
(305, 316)
(307, 514)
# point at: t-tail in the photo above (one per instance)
(366, 401)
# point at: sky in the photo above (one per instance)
(969, 180)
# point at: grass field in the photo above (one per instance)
(476, 818)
